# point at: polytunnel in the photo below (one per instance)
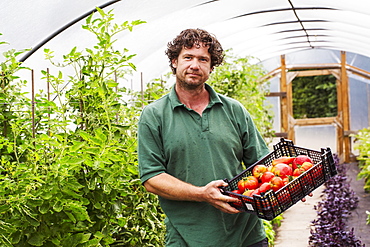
(287, 36)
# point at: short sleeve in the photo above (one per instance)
(150, 147)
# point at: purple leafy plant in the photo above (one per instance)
(330, 228)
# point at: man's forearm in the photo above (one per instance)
(172, 188)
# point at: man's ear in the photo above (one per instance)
(174, 63)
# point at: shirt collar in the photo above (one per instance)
(214, 98)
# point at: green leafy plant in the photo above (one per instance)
(362, 144)
(270, 228)
(68, 173)
(314, 96)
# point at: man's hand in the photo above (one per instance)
(213, 196)
(172, 188)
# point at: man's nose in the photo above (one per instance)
(194, 64)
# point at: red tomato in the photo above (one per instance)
(276, 183)
(299, 160)
(298, 171)
(265, 187)
(248, 183)
(236, 192)
(248, 193)
(251, 183)
(258, 170)
(306, 165)
(256, 192)
(284, 159)
(267, 176)
(282, 170)
(241, 186)
(286, 180)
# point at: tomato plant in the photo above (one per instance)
(75, 186)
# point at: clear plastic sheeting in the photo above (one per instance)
(306, 31)
(316, 137)
(263, 29)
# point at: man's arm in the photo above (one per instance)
(172, 188)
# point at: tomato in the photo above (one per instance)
(276, 183)
(249, 183)
(298, 171)
(265, 187)
(286, 180)
(282, 170)
(236, 192)
(269, 168)
(256, 192)
(248, 193)
(267, 176)
(241, 186)
(258, 170)
(306, 165)
(299, 160)
(284, 159)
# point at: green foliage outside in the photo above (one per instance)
(314, 97)
(270, 227)
(70, 177)
(362, 144)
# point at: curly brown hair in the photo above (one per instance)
(194, 37)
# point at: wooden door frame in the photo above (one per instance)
(341, 121)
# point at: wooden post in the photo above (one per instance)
(339, 123)
(289, 105)
(286, 102)
(283, 100)
(345, 107)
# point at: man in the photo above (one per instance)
(192, 138)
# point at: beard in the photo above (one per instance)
(190, 83)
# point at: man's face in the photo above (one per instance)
(193, 66)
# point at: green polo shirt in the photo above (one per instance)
(199, 149)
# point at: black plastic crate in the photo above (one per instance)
(271, 204)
